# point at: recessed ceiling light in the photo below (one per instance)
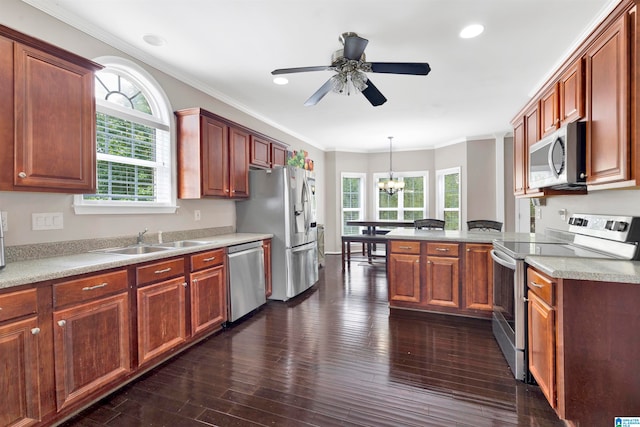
(154, 40)
(280, 80)
(471, 31)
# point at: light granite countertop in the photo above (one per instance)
(50, 268)
(465, 236)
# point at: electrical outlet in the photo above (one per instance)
(47, 221)
(196, 215)
(5, 222)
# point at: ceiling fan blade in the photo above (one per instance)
(320, 93)
(300, 69)
(415, 68)
(354, 47)
(374, 96)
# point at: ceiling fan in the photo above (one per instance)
(351, 65)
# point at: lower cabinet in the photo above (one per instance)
(208, 291)
(478, 276)
(91, 335)
(542, 333)
(433, 276)
(161, 318)
(403, 265)
(19, 359)
(161, 298)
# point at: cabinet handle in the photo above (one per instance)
(428, 262)
(22, 175)
(164, 270)
(583, 175)
(61, 323)
(442, 249)
(184, 284)
(90, 288)
(35, 331)
(405, 247)
(532, 283)
(209, 259)
(417, 261)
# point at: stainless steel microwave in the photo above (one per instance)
(558, 160)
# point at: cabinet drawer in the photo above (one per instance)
(443, 249)
(159, 271)
(18, 304)
(207, 259)
(405, 247)
(541, 286)
(76, 291)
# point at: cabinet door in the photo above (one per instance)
(443, 281)
(571, 91)
(278, 155)
(91, 345)
(404, 278)
(266, 246)
(55, 146)
(208, 299)
(161, 318)
(260, 152)
(239, 163)
(215, 157)
(542, 353)
(549, 116)
(607, 106)
(478, 277)
(532, 135)
(19, 356)
(519, 170)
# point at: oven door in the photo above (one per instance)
(509, 310)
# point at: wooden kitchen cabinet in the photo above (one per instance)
(208, 295)
(478, 277)
(266, 246)
(443, 274)
(47, 117)
(519, 158)
(260, 154)
(608, 105)
(278, 154)
(542, 333)
(19, 334)
(91, 335)
(404, 272)
(571, 93)
(549, 111)
(213, 156)
(161, 304)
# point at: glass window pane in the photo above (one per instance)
(452, 221)
(452, 190)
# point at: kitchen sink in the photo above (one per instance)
(134, 250)
(183, 244)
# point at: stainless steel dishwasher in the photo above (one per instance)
(246, 279)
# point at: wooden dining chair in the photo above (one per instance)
(484, 225)
(429, 224)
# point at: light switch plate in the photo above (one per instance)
(47, 221)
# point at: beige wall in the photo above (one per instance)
(481, 181)
(20, 205)
(509, 199)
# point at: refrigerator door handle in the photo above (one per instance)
(305, 206)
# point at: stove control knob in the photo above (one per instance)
(621, 226)
(609, 225)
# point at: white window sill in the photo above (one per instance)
(123, 210)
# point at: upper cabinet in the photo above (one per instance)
(215, 154)
(47, 117)
(608, 106)
(598, 85)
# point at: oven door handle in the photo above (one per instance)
(503, 260)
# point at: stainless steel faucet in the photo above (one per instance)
(140, 234)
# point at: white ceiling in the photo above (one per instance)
(228, 48)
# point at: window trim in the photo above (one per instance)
(363, 196)
(162, 120)
(440, 209)
(402, 175)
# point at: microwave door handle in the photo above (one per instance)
(552, 167)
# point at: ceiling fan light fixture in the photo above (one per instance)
(280, 80)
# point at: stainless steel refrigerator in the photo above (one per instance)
(282, 202)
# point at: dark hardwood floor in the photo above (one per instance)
(334, 356)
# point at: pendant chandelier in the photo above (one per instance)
(390, 186)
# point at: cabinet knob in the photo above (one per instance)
(61, 323)
(35, 331)
(583, 175)
(184, 284)
(22, 175)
